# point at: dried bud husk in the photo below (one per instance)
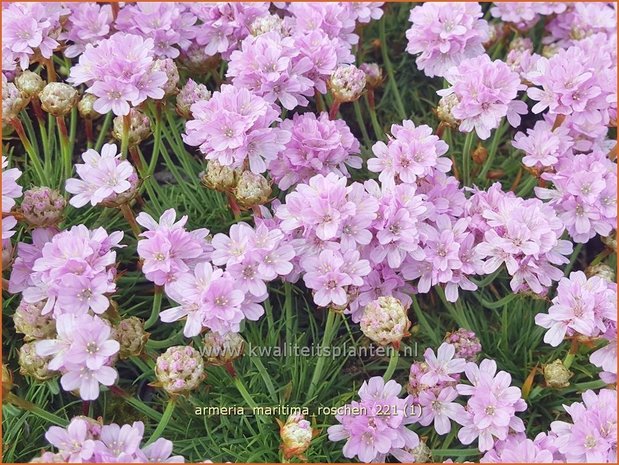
(610, 241)
(296, 435)
(29, 84)
(191, 93)
(444, 110)
(385, 321)
(33, 365)
(480, 154)
(219, 177)
(347, 83)
(422, 453)
(220, 350)
(30, 322)
(12, 102)
(85, 107)
(251, 190)
(168, 66)
(601, 270)
(139, 128)
(131, 336)
(373, 75)
(58, 98)
(557, 376)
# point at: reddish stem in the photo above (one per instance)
(19, 129)
(371, 98)
(135, 158)
(335, 107)
(51, 72)
(89, 133)
(130, 217)
(36, 106)
(115, 10)
(236, 210)
(63, 128)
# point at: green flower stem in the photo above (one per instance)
(494, 145)
(30, 407)
(165, 419)
(136, 403)
(393, 363)
(378, 130)
(327, 338)
(364, 132)
(573, 258)
(393, 85)
(466, 158)
(288, 311)
(154, 314)
(103, 133)
(36, 162)
(527, 187)
(130, 217)
(72, 133)
(124, 144)
(247, 397)
(65, 144)
(175, 338)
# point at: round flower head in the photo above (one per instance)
(86, 108)
(58, 98)
(220, 178)
(168, 66)
(466, 343)
(31, 364)
(12, 101)
(221, 350)
(131, 336)
(103, 178)
(557, 376)
(264, 24)
(139, 128)
(43, 206)
(385, 321)
(486, 92)
(179, 369)
(445, 109)
(251, 190)
(347, 83)
(373, 74)
(296, 435)
(29, 84)
(189, 94)
(31, 323)
(445, 34)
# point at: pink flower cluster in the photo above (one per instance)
(524, 15)
(517, 448)
(72, 271)
(525, 235)
(317, 145)
(10, 191)
(88, 23)
(490, 411)
(486, 91)
(381, 429)
(411, 152)
(170, 25)
(83, 351)
(88, 441)
(580, 20)
(543, 146)
(585, 306)
(591, 436)
(120, 72)
(167, 249)
(234, 128)
(584, 194)
(28, 29)
(103, 178)
(445, 34)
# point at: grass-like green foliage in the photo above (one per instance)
(503, 321)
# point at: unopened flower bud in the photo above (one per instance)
(191, 93)
(296, 436)
(131, 336)
(601, 270)
(251, 190)
(264, 24)
(385, 322)
(197, 61)
(550, 50)
(139, 129)
(219, 177)
(466, 343)
(43, 207)
(7, 382)
(373, 74)
(31, 364)
(610, 241)
(29, 321)
(58, 98)
(180, 369)
(85, 107)
(521, 44)
(556, 375)
(168, 66)
(29, 84)
(444, 110)
(221, 350)
(12, 101)
(480, 154)
(347, 83)
(422, 453)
